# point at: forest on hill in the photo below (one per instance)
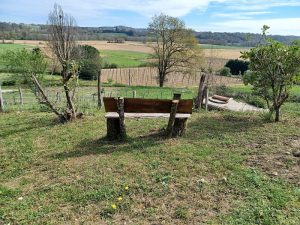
(14, 31)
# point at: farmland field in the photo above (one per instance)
(217, 56)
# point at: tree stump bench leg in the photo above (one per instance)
(113, 128)
(179, 127)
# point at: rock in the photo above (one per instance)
(296, 153)
(275, 174)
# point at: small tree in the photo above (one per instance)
(237, 66)
(90, 62)
(274, 68)
(62, 41)
(31, 65)
(175, 48)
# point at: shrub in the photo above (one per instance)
(256, 101)
(9, 83)
(109, 66)
(225, 71)
(222, 90)
(90, 62)
(237, 66)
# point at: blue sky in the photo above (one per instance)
(283, 16)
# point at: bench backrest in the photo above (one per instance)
(140, 105)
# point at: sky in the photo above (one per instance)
(283, 16)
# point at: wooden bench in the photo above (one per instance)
(117, 109)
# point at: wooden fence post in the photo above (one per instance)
(21, 96)
(1, 101)
(134, 94)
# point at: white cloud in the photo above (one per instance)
(282, 26)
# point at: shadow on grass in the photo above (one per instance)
(221, 125)
(25, 126)
(106, 147)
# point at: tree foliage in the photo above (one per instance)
(237, 66)
(274, 69)
(175, 48)
(90, 62)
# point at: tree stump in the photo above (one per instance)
(113, 128)
(172, 117)
(179, 127)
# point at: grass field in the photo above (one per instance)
(6, 47)
(53, 173)
(229, 168)
(125, 59)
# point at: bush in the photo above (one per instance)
(109, 66)
(222, 90)
(237, 66)
(9, 83)
(256, 101)
(90, 63)
(225, 71)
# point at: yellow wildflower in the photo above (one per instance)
(120, 199)
(126, 188)
(114, 206)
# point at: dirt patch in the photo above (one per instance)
(281, 164)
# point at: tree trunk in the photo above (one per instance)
(71, 107)
(199, 99)
(179, 127)
(172, 117)
(161, 79)
(45, 98)
(99, 90)
(277, 114)
(120, 104)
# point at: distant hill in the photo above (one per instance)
(14, 31)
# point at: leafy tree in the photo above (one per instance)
(32, 66)
(175, 47)
(237, 66)
(274, 69)
(90, 62)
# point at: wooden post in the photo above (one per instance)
(176, 96)
(21, 96)
(134, 94)
(172, 117)
(1, 101)
(120, 104)
(206, 98)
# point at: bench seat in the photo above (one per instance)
(147, 115)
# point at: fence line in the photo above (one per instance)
(147, 76)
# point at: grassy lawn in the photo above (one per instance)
(228, 168)
(124, 58)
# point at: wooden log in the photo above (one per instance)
(179, 127)
(1, 101)
(113, 128)
(120, 105)
(172, 117)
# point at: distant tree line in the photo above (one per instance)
(14, 31)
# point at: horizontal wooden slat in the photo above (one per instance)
(140, 105)
(146, 115)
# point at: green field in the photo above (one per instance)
(124, 58)
(6, 47)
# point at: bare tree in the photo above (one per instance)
(175, 48)
(62, 41)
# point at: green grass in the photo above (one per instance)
(68, 173)
(6, 47)
(124, 58)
